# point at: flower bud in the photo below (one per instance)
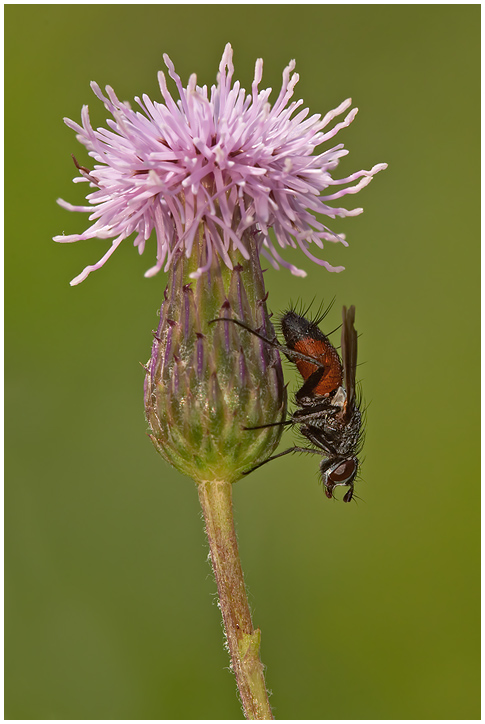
(206, 383)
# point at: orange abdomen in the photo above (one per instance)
(325, 353)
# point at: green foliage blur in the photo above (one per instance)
(367, 611)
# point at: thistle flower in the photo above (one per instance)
(227, 160)
(212, 174)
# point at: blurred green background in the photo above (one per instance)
(367, 611)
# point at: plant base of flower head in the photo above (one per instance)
(206, 382)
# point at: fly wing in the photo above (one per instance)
(349, 356)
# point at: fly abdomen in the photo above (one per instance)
(305, 337)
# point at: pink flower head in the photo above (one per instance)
(227, 160)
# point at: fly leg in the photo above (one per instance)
(285, 452)
(270, 424)
(292, 354)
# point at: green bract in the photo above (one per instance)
(206, 382)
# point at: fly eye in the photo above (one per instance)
(345, 471)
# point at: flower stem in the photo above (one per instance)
(242, 639)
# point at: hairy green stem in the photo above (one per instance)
(242, 639)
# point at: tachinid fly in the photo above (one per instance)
(327, 413)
